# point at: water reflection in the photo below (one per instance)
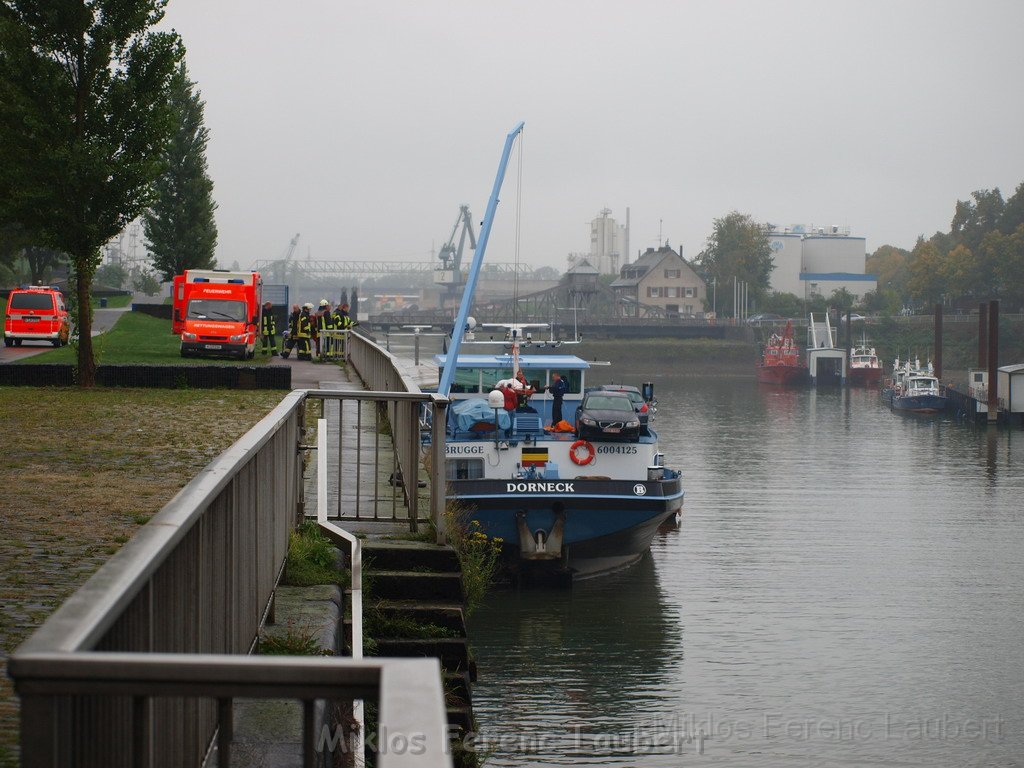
(557, 662)
(839, 566)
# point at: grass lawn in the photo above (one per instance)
(137, 338)
(113, 302)
(83, 469)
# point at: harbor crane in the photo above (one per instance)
(280, 267)
(449, 274)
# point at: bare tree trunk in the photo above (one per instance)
(86, 363)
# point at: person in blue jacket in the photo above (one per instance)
(557, 388)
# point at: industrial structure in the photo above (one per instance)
(609, 244)
(815, 261)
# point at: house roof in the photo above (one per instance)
(649, 260)
(583, 267)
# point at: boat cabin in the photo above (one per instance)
(477, 375)
(918, 384)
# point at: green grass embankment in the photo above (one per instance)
(141, 339)
(113, 302)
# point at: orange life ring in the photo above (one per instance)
(585, 459)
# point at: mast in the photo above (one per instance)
(448, 373)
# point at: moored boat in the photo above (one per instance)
(865, 368)
(588, 506)
(920, 393)
(780, 360)
(915, 389)
(580, 496)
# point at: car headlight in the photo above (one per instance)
(633, 423)
(588, 422)
(188, 336)
(238, 337)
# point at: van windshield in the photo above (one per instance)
(31, 301)
(216, 309)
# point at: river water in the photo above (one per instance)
(846, 589)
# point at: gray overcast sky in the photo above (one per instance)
(363, 126)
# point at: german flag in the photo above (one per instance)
(535, 457)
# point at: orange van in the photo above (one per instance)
(36, 314)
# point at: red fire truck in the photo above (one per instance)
(217, 313)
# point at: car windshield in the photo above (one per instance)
(31, 301)
(608, 403)
(217, 309)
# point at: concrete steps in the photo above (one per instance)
(412, 584)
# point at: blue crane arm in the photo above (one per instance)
(448, 372)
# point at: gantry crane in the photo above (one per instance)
(449, 274)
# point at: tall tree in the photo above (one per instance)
(84, 120)
(974, 218)
(40, 261)
(1010, 267)
(179, 225)
(960, 272)
(738, 248)
(890, 264)
(926, 283)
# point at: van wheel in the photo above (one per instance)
(8, 342)
(17, 342)
(57, 343)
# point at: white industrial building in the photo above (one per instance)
(609, 243)
(819, 260)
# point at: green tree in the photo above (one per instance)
(926, 283)
(84, 119)
(842, 300)
(737, 249)
(41, 261)
(112, 275)
(974, 218)
(1009, 268)
(891, 265)
(1013, 213)
(960, 272)
(179, 225)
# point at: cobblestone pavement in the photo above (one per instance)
(83, 470)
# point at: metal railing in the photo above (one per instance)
(141, 665)
(381, 371)
(372, 467)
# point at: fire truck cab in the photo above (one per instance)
(217, 313)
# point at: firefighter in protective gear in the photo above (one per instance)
(324, 322)
(293, 330)
(268, 330)
(304, 333)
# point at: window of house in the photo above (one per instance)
(654, 291)
(629, 310)
(672, 292)
(691, 293)
(671, 274)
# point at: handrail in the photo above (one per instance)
(85, 616)
(175, 611)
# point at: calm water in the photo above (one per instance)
(846, 589)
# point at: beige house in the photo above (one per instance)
(659, 283)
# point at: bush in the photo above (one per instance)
(478, 555)
(312, 558)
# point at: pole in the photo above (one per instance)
(938, 341)
(983, 335)
(448, 373)
(993, 360)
